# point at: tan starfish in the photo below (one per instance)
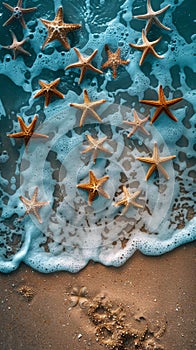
(162, 105)
(128, 200)
(88, 107)
(137, 124)
(84, 64)
(94, 187)
(17, 13)
(16, 46)
(155, 162)
(147, 47)
(151, 16)
(32, 205)
(27, 131)
(49, 90)
(114, 60)
(95, 146)
(58, 29)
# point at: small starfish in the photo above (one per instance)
(58, 29)
(88, 107)
(79, 297)
(84, 64)
(156, 161)
(147, 47)
(32, 205)
(94, 187)
(16, 46)
(151, 17)
(137, 124)
(17, 13)
(114, 60)
(128, 199)
(95, 146)
(162, 105)
(27, 131)
(48, 90)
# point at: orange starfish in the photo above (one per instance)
(32, 205)
(114, 60)
(137, 124)
(147, 47)
(128, 199)
(162, 105)
(58, 29)
(88, 107)
(155, 162)
(84, 64)
(95, 146)
(17, 13)
(94, 187)
(27, 131)
(16, 46)
(49, 90)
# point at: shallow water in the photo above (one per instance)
(72, 232)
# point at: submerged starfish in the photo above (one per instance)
(114, 60)
(128, 199)
(58, 29)
(137, 124)
(84, 64)
(16, 46)
(49, 90)
(27, 131)
(94, 187)
(151, 17)
(162, 105)
(155, 162)
(32, 205)
(95, 146)
(88, 107)
(147, 47)
(17, 13)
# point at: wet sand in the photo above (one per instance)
(147, 304)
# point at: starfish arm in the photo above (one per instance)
(155, 155)
(97, 103)
(74, 65)
(103, 179)
(92, 55)
(92, 176)
(64, 41)
(85, 186)
(46, 42)
(103, 193)
(175, 100)
(124, 62)
(156, 54)
(48, 97)
(25, 201)
(33, 123)
(159, 12)
(105, 65)
(77, 105)
(10, 20)
(35, 194)
(165, 159)
(144, 130)
(156, 114)
(17, 135)
(95, 115)
(84, 114)
(95, 152)
(123, 201)
(57, 93)
(148, 24)
(80, 56)
(36, 135)
(145, 160)
(83, 71)
(94, 69)
(144, 54)
(37, 215)
(139, 47)
(132, 131)
(163, 171)
(114, 72)
(170, 114)
(19, 3)
(137, 205)
(55, 82)
(30, 9)
(39, 93)
(22, 21)
(9, 7)
(23, 51)
(91, 196)
(86, 99)
(150, 171)
(22, 124)
(153, 43)
(159, 24)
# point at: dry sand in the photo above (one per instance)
(148, 304)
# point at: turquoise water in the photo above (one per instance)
(72, 232)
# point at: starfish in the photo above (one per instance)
(58, 29)
(147, 47)
(84, 64)
(162, 105)
(95, 146)
(155, 162)
(151, 17)
(128, 199)
(48, 90)
(137, 124)
(88, 107)
(27, 131)
(17, 13)
(114, 60)
(32, 205)
(16, 46)
(94, 187)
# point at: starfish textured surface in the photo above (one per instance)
(155, 162)
(137, 123)
(94, 187)
(95, 145)
(58, 30)
(49, 90)
(114, 60)
(32, 205)
(128, 200)
(17, 13)
(27, 131)
(151, 16)
(16, 46)
(88, 107)
(147, 47)
(162, 105)
(84, 63)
